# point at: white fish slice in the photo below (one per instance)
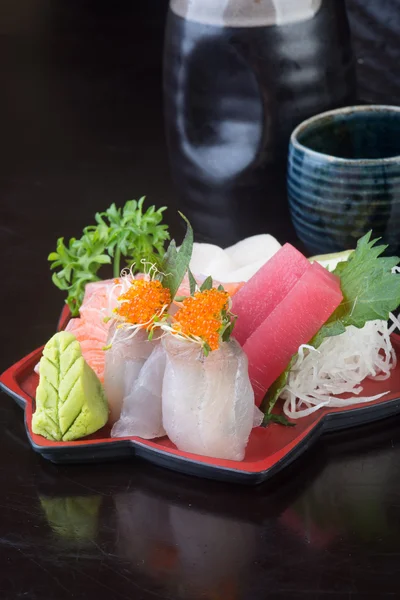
(243, 273)
(141, 413)
(210, 259)
(253, 249)
(123, 364)
(207, 402)
(236, 263)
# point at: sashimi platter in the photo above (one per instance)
(222, 363)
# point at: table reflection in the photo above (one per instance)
(349, 499)
(196, 539)
(75, 520)
(205, 551)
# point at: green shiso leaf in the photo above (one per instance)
(176, 262)
(371, 291)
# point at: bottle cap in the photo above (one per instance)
(246, 13)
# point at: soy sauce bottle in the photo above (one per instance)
(239, 75)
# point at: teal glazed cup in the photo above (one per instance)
(344, 178)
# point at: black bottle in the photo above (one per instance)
(239, 75)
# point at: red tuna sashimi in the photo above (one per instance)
(293, 322)
(269, 286)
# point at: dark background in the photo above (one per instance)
(81, 126)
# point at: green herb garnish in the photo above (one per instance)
(279, 419)
(128, 232)
(370, 292)
(206, 349)
(207, 284)
(175, 263)
(228, 324)
(192, 283)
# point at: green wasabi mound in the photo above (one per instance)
(70, 401)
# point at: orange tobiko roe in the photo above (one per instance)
(200, 316)
(143, 301)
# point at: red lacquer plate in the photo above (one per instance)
(269, 450)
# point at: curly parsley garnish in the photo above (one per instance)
(129, 232)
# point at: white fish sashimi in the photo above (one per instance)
(236, 263)
(124, 361)
(244, 273)
(250, 250)
(141, 413)
(207, 402)
(210, 259)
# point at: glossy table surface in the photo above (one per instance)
(81, 126)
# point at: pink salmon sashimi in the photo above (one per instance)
(293, 322)
(90, 329)
(100, 299)
(92, 338)
(262, 293)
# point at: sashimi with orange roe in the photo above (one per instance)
(101, 298)
(207, 399)
(135, 406)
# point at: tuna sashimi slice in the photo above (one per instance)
(266, 289)
(293, 322)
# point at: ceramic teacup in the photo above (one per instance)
(344, 178)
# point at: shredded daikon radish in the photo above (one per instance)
(338, 367)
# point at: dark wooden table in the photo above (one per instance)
(81, 126)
